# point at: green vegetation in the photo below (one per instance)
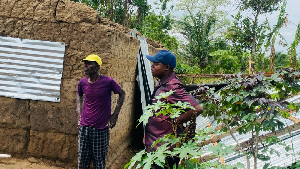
(138, 14)
(186, 146)
(210, 43)
(213, 44)
(251, 104)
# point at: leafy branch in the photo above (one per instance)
(254, 103)
(188, 147)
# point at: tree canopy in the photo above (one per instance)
(210, 42)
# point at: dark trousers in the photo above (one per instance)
(170, 161)
(92, 147)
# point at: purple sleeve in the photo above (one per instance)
(115, 87)
(180, 94)
(79, 88)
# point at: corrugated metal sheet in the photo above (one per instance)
(145, 78)
(31, 69)
(291, 139)
(285, 159)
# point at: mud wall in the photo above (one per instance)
(49, 130)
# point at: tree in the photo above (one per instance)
(281, 60)
(119, 11)
(244, 105)
(282, 20)
(202, 27)
(136, 14)
(252, 104)
(257, 7)
(156, 27)
(197, 34)
(208, 8)
(293, 47)
(239, 34)
(225, 62)
(187, 146)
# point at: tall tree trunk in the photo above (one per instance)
(250, 62)
(262, 63)
(293, 60)
(272, 56)
(112, 5)
(125, 5)
(239, 146)
(293, 48)
(256, 149)
(253, 45)
(139, 15)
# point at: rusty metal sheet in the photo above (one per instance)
(31, 69)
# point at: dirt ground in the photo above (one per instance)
(28, 163)
(39, 163)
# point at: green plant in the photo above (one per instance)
(182, 68)
(252, 104)
(226, 62)
(295, 165)
(196, 30)
(248, 34)
(186, 146)
(293, 47)
(157, 27)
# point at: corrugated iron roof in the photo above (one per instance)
(284, 160)
(31, 69)
(291, 139)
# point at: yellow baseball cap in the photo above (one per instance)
(93, 57)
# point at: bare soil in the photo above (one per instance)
(39, 163)
(28, 163)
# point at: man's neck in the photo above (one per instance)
(165, 76)
(94, 78)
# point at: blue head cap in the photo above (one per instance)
(165, 57)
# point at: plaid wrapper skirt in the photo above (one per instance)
(92, 147)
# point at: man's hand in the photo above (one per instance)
(78, 120)
(113, 120)
(114, 117)
(188, 115)
(79, 101)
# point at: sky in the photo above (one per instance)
(288, 32)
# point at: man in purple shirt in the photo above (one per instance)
(163, 65)
(95, 116)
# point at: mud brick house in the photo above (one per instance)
(49, 129)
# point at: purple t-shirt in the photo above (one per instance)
(159, 126)
(96, 110)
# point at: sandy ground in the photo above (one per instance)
(28, 163)
(38, 163)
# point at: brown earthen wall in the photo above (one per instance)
(49, 130)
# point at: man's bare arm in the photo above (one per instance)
(188, 115)
(114, 116)
(79, 101)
